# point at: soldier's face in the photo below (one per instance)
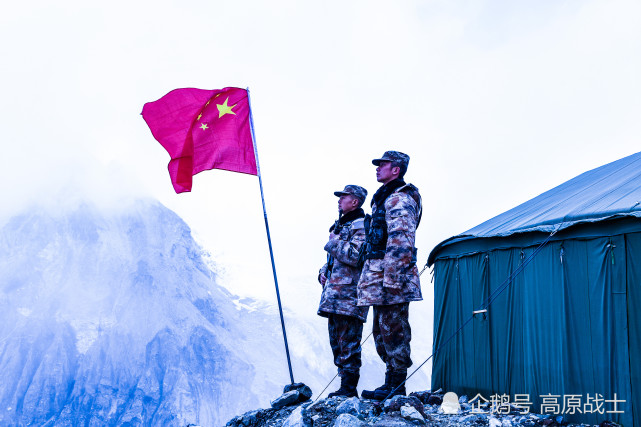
(347, 203)
(386, 173)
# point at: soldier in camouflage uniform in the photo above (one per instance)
(390, 279)
(339, 277)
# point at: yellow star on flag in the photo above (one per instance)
(225, 109)
(203, 126)
(199, 116)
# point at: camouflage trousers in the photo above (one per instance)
(345, 333)
(392, 335)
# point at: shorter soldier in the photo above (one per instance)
(339, 277)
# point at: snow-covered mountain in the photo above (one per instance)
(117, 317)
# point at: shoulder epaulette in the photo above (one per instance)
(412, 191)
(358, 223)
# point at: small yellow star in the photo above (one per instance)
(204, 126)
(225, 109)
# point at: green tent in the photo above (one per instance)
(556, 284)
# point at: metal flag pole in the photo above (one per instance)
(269, 240)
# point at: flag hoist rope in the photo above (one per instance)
(269, 240)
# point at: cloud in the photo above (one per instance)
(496, 102)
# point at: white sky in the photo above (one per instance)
(495, 102)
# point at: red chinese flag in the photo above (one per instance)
(201, 130)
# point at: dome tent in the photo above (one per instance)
(566, 330)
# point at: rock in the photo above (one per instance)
(377, 408)
(347, 420)
(434, 399)
(450, 404)
(286, 399)
(395, 420)
(423, 396)
(410, 413)
(432, 409)
(466, 407)
(350, 406)
(400, 411)
(249, 418)
(469, 418)
(396, 402)
(305, 393)
(298, 418)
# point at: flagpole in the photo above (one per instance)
(269, 240)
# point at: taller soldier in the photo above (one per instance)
(390, 279)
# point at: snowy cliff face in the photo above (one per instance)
(114, 319)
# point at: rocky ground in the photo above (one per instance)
(294, 409)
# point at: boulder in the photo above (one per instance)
(410, 413)
(350, 406)
(434, 399)
(298, 418)
(347, 420)
(423, 396)
(396, 402)
(305, 393)
(286, 399)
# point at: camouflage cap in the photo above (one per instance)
(393, 156)
(353, 190)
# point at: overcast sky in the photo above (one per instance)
(495, 102)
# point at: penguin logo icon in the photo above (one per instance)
(450, 404)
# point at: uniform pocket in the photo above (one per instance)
(394, 280)
(342, 280)
(409, 282)
(375, 265)
(372, 273)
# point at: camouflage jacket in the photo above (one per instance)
(394, 279)
(339, 292)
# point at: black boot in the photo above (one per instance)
(385, 388)
(349, 381)
(395, 381)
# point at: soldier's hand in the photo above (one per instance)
(323, 279)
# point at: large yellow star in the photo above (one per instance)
(225, 109)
